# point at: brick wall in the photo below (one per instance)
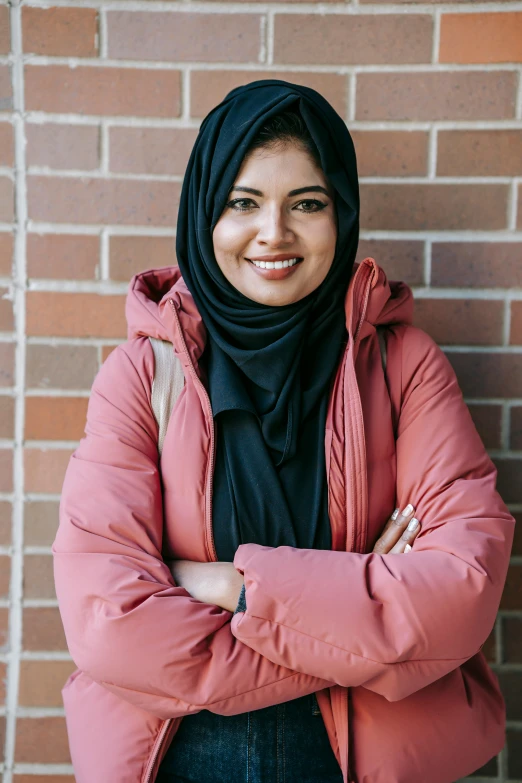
(99, 106)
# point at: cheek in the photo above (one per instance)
(229, 238)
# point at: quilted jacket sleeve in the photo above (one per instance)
(128, 626)
(395, 623)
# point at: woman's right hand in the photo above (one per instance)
(399, 533)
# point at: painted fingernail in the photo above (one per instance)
(407, 511)
(413, 524)
(395, 514)
(407, 548)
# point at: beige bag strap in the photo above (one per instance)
(382, 346)
(166, 386)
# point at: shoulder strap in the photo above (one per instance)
(166, 386)
(382, 346)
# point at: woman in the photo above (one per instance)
(246, 582)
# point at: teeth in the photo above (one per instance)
(275, 264)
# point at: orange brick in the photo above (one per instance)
(41, 741)
(391, 153)
(75, 315)
(480, 153)
(43, 630)
(106, 91)
(477, 264)
(5, 37)
(6, 511)
(130, 255)
(6, 311)
(45, 469)
(352, 39)
(61, 146)
(461, 321)
(3, 682)
(64, 32)
(107, 350)
(150, 150)
(6, 200)
(41, 682)
(182, 36)
(55, 418)
(515, 438)
(488, 374)
(435, 207)
(7, 359)
(426, 95)
(60, 366)
(401, 259)
(488, 421)
(481, 38)
(6, 470)
(101, 200)
(62, 256)
(40, 522)
(515, 337)
(6, 90)
(39, 577)
(6, 254)
(5, 575)
(6, 417)
(6, 143)
(207, 88)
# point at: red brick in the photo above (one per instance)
(5, 575)
(4, 634)
(6, 143)
(41, 741)
(6, 89)
(39, 577)
(104, 90)
(59, 146)
(519, 216)
(515, 438)
(6, 470)
(509, 485)
(6, 311)
(43, 630)
(426, 95)
(3, 682)
(391, 153)
(182, 36)
(401, 259)
(55, 418)
(461, 321)
(150, 150)
(101, 200)
(477, 264)
(6, 417)
(512, 639)
(514, 754)
(479, 153)
(40, 522)
(60, 366)
(447, 207)
(6, 254)
(7, 359)
(45, 469)
(484, 374)
(43, 779)
(63, 32)
(481, 38)
(107, 350)
(515, 337)
(352, 39)
(6, 200)
(488, 421)
(208, 88)
(130, 255)
(75, 315)
(5, 37)
(41, 682)
(512, 594)
(6, 511)
(62, 256)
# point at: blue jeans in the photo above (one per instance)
(286, 743)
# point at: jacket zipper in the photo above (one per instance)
(209, 537)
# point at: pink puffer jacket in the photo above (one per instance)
(391, 643)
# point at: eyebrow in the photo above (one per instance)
(297, 192)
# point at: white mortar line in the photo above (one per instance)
(294, 8)
(507, 322)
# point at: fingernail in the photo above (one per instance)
(407, 548)
(413, 524)
(407, 511)
(395, 514)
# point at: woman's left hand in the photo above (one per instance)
(216, 583)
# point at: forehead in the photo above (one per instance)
(281, 163)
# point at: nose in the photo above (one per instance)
(274, 228)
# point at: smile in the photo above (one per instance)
(288, 262)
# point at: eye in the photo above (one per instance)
(311, 205)
(241, 204)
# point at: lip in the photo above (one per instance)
(275, 274)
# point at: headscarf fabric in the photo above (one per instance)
(269, 368)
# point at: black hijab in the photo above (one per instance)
(269, 368)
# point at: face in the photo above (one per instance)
(280, 216)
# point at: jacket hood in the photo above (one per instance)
(370, 296)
